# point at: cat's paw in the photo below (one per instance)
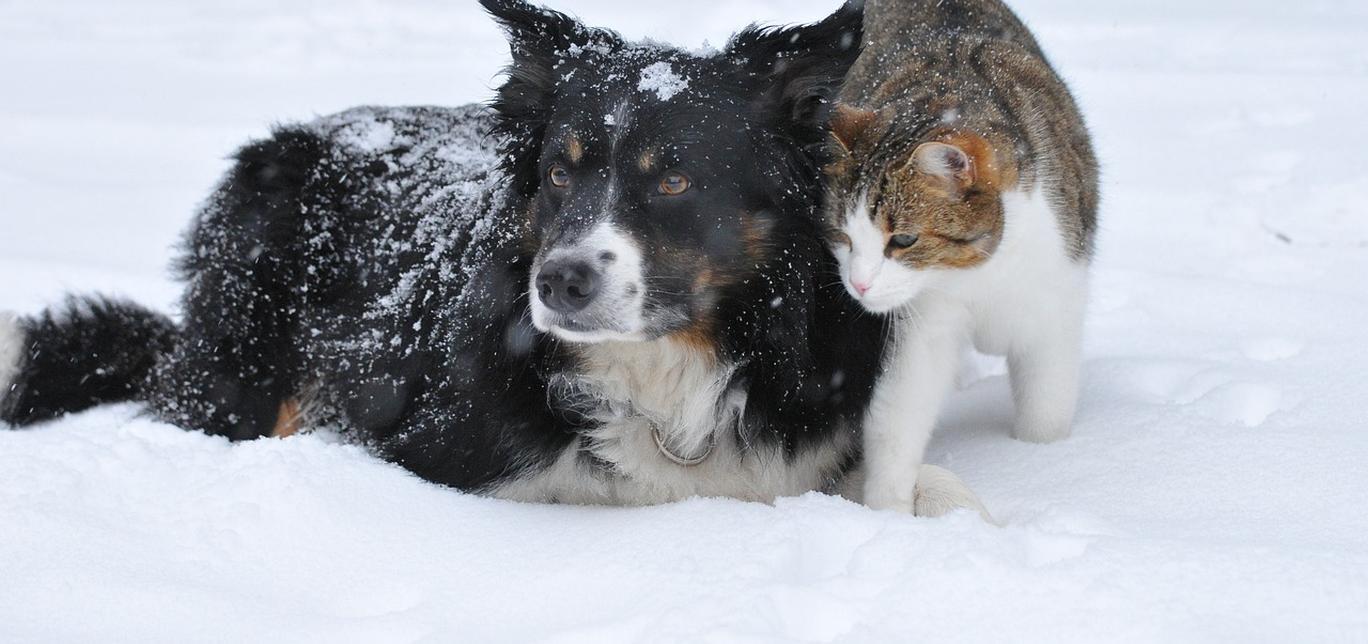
(940, 492)
(881, 497)
(1042, 431)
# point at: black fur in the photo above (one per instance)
(378, 262)
(84, 353)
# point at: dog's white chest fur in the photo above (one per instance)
(645, 391)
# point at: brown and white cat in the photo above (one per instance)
(963, 200)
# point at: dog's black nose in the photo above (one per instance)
(567, 287)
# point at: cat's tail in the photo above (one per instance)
(940, 492)
(86, 352)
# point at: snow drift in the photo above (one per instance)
(1212, 490)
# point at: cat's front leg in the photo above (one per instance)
(918, 375)
(1044, 367)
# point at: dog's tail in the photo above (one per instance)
(86, 352)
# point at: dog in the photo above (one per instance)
(611, 286)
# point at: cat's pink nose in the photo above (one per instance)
(860, 287)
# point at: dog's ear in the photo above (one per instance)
(801, 68)
(849, 124)
(540, 40)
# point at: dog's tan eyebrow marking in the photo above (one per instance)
(647, 161)
(574, 149)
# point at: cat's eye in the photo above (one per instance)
(902, 241)
(674, 184)
(838, 238)
(559, 176)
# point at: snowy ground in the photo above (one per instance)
(1214, 490)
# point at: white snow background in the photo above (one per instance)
(1216, 488)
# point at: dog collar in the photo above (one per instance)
(680, 460)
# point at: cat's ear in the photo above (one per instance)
(849, 124)
(947, 163)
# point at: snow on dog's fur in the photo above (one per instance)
(630, 301)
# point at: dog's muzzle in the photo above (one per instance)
(590, 290)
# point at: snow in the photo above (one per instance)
(661, 79)
(1212, 490)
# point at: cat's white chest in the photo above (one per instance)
(1019, 292)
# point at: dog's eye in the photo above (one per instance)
(674, 184)
(559, 176)
(902, 241)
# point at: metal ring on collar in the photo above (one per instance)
(680, 460)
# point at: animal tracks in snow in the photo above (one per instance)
(1215, 390)
(1246, 403)
(1271, 349)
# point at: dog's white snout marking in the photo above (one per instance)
(617, 308)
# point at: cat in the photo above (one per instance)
(963, 201)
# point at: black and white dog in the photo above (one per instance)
(612, 287)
